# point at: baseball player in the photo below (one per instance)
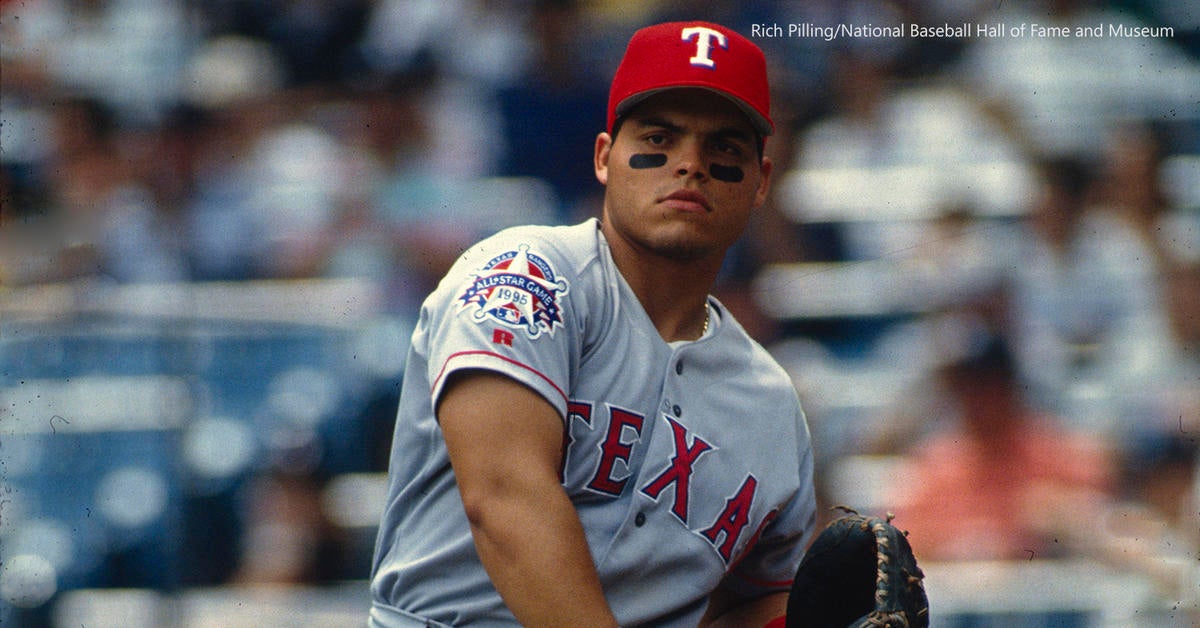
(585, 437)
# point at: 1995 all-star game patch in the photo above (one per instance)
(518, 289)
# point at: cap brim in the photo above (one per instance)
(760, 124)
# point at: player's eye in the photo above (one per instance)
(730, 147)
(656, 139)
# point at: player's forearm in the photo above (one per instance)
(535, 552)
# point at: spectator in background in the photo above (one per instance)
(235, 81)
(1058, 301)
(995, 482)
(300, 176)
(1125, 256)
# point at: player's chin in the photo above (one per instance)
(687, 242)
(710, 231)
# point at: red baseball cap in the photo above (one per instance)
(693, 54)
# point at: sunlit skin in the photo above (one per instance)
(669, 226)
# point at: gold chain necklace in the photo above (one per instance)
(706, 315)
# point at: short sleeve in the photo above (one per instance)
(505, 307)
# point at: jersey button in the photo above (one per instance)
(677, 411)
(679, 367)
(640, 519)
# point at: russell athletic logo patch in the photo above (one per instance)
(518, 289)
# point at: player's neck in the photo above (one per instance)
(685, 319)
(673, 292)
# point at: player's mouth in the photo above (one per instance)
(687, 200)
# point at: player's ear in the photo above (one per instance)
(604, 143)
(764, 184)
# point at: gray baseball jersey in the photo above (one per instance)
(685, 461)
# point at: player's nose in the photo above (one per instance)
(689, 159)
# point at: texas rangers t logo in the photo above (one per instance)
(518, 289)
(704, 37)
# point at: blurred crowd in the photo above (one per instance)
(1041, 400)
